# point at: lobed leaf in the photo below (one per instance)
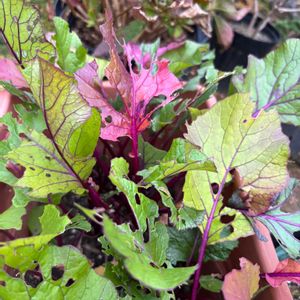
(274, 81)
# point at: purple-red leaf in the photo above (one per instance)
(241, 284)
(286, 270)
(135, 87)
(9, 72)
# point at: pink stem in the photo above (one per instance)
(135, 146)
(206, 236)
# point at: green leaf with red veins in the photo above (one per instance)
(255, 147)
(22, 31)
(135, 89)
(274, 81)
(241, 284)
(62, 162)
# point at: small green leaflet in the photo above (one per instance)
(71, 53)
(19, 23)
(274, 81)
(211, 283)
(12, 218)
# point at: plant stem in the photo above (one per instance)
(135, 145)
(96, 198)
(206, 236)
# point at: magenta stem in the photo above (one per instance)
(96, 199)
(288, 275)
(205, 237)
(135, 146)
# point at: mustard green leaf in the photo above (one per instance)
(51, 221)
(253, 146)
(211, 283)
(81, 223)
(181, 157)
(12, 218)
(144, 260)
(71, 53)
(146, 209)
(274, 81)
(22, 31)
(21, 253)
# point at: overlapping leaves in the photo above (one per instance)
(254, 147)
(62, 161)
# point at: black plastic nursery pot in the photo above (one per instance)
(242, 45)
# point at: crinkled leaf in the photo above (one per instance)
(21, 253)
(71, 53)
(286, 270)
(146, 208)
(254, 147)
(143, 260)
(19, 23)
(12, 218)
(241, 284)
(181, 157)
(274, 81)
(282, 224)
(135, 89)
(220, 251)
(211, 283)
(87, 284)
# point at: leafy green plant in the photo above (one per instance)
(124, 176)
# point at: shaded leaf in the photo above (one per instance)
(211, 283)
(80, 222)
(12, 218)
(274, 81)
(241, 284)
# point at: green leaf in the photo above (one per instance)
(220, 251)
(274, 81)
(132, 30)
(283, 224)
(19, 23)
(144, 260)
(62, 162)
(51, 221)
(21, 253)
(146, 208)
(80, 222)
(211, 283)
(87, 284)
(181, 157)
(254, 147)
(12, 218)
(189, 55)
(71, 53)
(149, 154)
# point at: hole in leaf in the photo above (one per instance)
(48, 175)
(33, 278)
(57, 272)
(225, 219)
(48, 157)
(215, 187)
(70, 282)
(3, 283)
(152, 265)
(32, 168)
(245, 121)
(108, 119)
(137, 199)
